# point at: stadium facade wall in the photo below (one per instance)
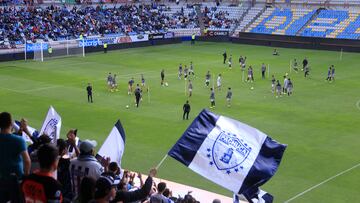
(298, 42)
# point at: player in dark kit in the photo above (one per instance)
(162, 75)
(307, 71)
(212, 98)
(225, 57)
(207, 79)
(305, 63)
(137, 95)
(186, 109)
(130, 85)
(263, 70)
(328, 78)
(89, 93)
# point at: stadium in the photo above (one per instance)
(179, 101)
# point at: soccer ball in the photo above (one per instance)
(127, 106)
(252, 88)
(166, 84)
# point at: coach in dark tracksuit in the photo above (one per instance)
(89, 93)
(137, 95)
(186, 109)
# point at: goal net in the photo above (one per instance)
(58, 49)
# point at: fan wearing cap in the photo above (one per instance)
(85, 165)
(105, 190)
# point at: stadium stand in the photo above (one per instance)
(281, 21)
(252, 14)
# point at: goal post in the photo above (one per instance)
(66, 48)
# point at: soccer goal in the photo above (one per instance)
(59, 49)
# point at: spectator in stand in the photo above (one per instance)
(43, 139)
(105, 190)
(14, 158)
(168, 194)
(159, 197)
(73, 143)
(41, 186)
(139, 194)
(63, 173)
(87, 190)
(85, 165)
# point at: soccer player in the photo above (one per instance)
(180, 71)
(289, 87)
(191, 71)
(218, 82)
(250, 76)
(243, 64)
(89, 93)
(228, 97)
(273, 80)
(241, 60)
(186, 109)
(278, 89)
(130, 86)
(333, 73)
(225, 56)
(137, 95)
(329, 74)
(142, 80)
(275, 52)
(190, 87)
(50, 51)
(286, 82)
(109, 81)
(263, 70)
(186, 71)
(207, 79)
(212, 98)
(295, 65)
(307, 71)
(114, 83)
(41, 186)
(193, 39)
(305, 63)
(162, 75)
(230, 61)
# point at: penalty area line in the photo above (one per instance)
(321, 183)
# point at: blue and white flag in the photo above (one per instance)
(259, 196)
(32, 131)
(231, 154)
(114, 144)
(52, 125)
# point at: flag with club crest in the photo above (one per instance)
(228, 152)
(52, 125)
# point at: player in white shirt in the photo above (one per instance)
(218, 82)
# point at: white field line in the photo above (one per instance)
(321, 183)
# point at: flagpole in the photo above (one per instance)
(161, 162)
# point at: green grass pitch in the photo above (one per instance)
(320, 122)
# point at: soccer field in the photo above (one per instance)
(320, 122)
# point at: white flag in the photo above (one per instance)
(114, 144)
(52, 125)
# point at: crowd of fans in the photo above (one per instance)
(18, 24)
(217, 19)
(69, 171)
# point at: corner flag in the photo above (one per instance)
(231, 154)
(52, 125)
(114, 144)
